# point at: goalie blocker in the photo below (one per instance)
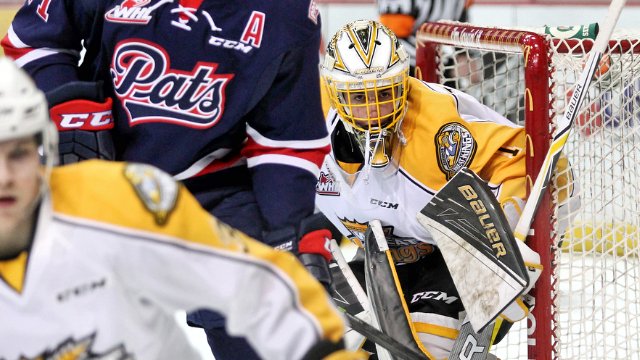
(480, 251)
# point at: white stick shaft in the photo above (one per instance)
(351, 278)
(565, 124)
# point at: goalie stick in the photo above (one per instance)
(350, 297)
(385, 293)
(565, 125)
(391, 344)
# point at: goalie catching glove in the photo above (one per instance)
(311, 243)
(84, 119)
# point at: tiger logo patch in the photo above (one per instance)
(455, 148)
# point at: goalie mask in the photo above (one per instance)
(366, 72)
(24, 111)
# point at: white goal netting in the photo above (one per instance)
(588, 301)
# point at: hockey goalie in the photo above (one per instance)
(396, 142)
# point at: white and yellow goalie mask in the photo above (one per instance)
(366, 72)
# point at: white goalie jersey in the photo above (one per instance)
(103, 282)
(445, 130)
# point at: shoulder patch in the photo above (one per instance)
(455, 148)
(314, 12)
(157, 190)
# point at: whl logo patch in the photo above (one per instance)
(151, 91)
(327, 185)
(132, 12)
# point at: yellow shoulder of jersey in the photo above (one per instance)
(129, 195)
(440, 142)
(427, 113)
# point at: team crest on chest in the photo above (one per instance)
(151, 91)
(157, 190)
(455, 148)
(82, 349)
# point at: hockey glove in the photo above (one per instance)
(312, 248)
(84, 119)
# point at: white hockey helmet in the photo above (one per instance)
(24, 110)
(365, 57)
(366, 74)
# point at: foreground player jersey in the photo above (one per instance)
(445, 130)
(198, 85)
(119, 248)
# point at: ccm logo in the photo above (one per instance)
(93, 121)
(83, 115)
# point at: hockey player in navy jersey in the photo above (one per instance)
(96, 257)
(223, 95)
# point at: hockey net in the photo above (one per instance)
(587, 301)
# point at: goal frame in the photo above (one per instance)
(542, 338)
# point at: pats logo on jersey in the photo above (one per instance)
(151, 91)
(132, 12)
(157, 189)
(71, 349)
(327, 185)
(455, 148)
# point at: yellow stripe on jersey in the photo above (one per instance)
(12, 271)
(437, 330)
(139, 197)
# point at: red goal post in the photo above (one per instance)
(587, 301)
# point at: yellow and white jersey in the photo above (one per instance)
(120, 247)
(445, 130)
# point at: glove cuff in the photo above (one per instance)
(316, 242)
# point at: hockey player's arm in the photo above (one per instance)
(266, 295)
(287, 142)
(46, 38)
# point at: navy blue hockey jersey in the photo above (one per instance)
(198, 85)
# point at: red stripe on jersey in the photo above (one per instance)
(11, 51)
(314, 155)
(220, 164)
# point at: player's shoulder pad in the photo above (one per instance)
(114, 192)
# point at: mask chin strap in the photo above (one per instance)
(368, 153)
